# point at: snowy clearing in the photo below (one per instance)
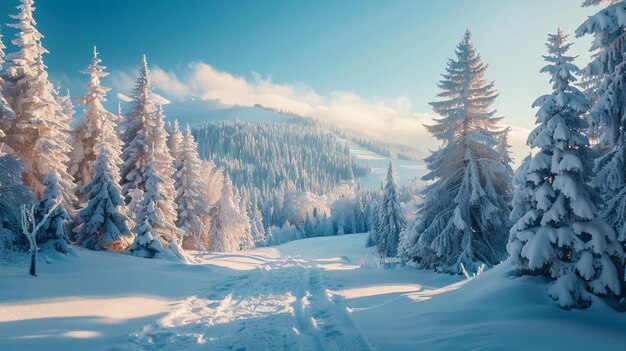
(312, 294)
(407, 171)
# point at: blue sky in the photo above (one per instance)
(381, 53)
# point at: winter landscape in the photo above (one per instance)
(354, 175)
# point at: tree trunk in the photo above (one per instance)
(33, 263)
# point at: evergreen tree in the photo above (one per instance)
(6, 112)
(256, 222)
(227, 224)
(607, 72)
(190, 200)
(53, 233)
(372, 237)
(522, 197)
(65, 102)
(38, 134)
(97, 124)
(135, 129)
(464, 214)
(147, 243)
(341, 224)
(103, 221)
(175, 140)
(561, 236)
(163, 161)
(308, 226)
(13, 195)
(246, 236)
(391, 220)
(155, 207)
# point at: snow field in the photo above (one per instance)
(310, 294)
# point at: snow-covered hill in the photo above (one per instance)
(407, 171)
(313, 294)
(196, 112)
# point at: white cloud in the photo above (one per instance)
(517, 139)
(122, 81)
(389, 119)
(169, 84)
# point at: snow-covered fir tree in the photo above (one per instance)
(608, 70)
(190, 200)
(391, 219)
(256, 223)
(147, 243)
(145, 145)
(134, 133)
(372, 236)
(464, 213)
(6, 112)
(561, 237)
(174, 139)
(521, 202)
(246, 236)
(13, 195)
(227, 223)
(53, 234)
(103, 222)
(38, 134)
(65, 101)
(97, 124)
(156, 208)
(163, 161)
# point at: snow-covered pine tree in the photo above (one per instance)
(561, 236)
(608, 70)
(372, 237)
(97, 124)
(175, 140)
(256, 222)
(522, 196)
(6, 112)
(607, 27)
(227, 224)
(38, 134)
(360, 217)
(190, 200)
(308, 226)
(246, 236)
(53, 234)
(65, 101)
(134, 133)
(147, 243)
(163, 164)
(103, 222)
(598, 2)
(506, 180)
(341, 224)
(155, 207)
(464, 214)
(391, 219)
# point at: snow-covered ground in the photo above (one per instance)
(406, 170)
(313, 294)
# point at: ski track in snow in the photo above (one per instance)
(282, 305)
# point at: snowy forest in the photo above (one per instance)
(80, 182)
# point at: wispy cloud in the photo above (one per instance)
(389, 119)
